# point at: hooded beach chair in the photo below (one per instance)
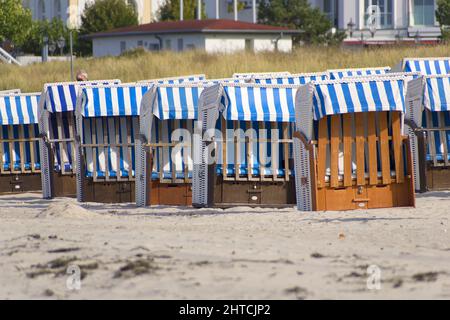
(58, 130)
(19, 143)
(107, 119)
(428, 117)
(297, 79)
(426, 66)
(164, 148)
(341, 73)
(242, 149)
(350, 151)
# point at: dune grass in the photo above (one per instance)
(140, 66)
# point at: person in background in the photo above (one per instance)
(82, 75)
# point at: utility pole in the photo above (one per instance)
(235, 10)
(199, 10)
(181, 10)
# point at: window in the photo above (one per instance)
(190, 46)
(140, 43)
(330, 8)
(249, 44)
(180, 44)
(168, 44)
(423, 12)
(41, 10)
(57, 8)
(153, 47)
(381, 11)
(123, 46)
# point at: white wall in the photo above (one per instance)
(233, 43)
(111, 46)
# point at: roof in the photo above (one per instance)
(195, 26)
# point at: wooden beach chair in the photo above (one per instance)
(336, 74)
(58, 130)
(164, 148)
(428, 119)
(350, 151)
(244, 156)
(426, 66)
(175, 80)
(107, 120)
(19, 143)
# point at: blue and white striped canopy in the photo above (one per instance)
(341, 73)
(19, 109)
(62, 97)
(428, 66)
(110, 101)
(437, 93)
(353, 95)
(177, 102)
(299, 79)
(260, 102)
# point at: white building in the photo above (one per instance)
(213, 36)
(70, 11)
(396, 20)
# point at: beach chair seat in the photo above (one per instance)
(20, 162)
(350, 150)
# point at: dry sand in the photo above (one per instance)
(240, 253)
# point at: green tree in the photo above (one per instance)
(104, 15)
(54, 30)
(443, 17)
(15, 22)
(299, 14)
(170, 10)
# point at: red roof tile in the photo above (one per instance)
(189, 26)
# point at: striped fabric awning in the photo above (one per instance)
(437, 93)
(177, 101)
(358, 95)
(341, 73)
(62, 97)
(427, 66)
(175, 80)
(19, 109)
(299, 79)
(253, 102)
(113, 100)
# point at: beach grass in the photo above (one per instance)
(146, 65)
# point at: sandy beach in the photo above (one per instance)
(240, 253)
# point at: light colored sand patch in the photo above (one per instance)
(63, 209)
(239, 253)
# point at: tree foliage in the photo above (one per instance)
(15, 22)
(104, 15)
(299, 14)
(170, 10)
(443, 17)
(54, 30)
